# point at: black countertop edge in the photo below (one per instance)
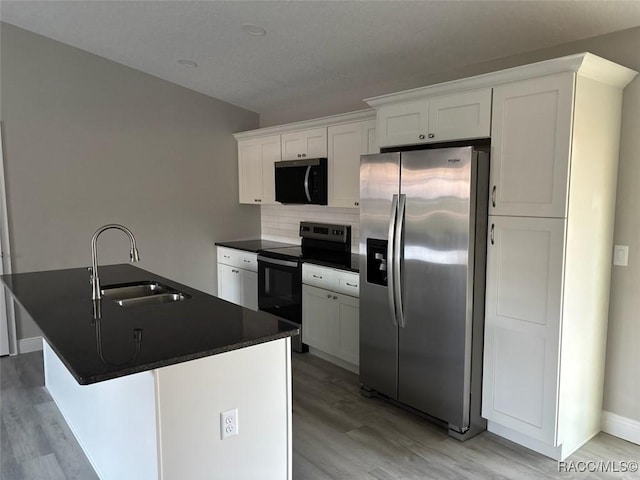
(88, 380)
(59, 302)
(254, 245)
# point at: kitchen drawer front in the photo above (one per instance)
(248, 261)
(347, 283)
(321, 277)
(228, 256)
(238, 258)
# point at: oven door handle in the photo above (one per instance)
(274, 261)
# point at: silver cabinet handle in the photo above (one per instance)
(351, 284)
(328, 295)
(316, 276)
(493, 196)
(356, 204)
(396, 260)
(234, 271)
(246, 261)
(226, 256)
(493, 227)
(335, 298)
(390, 279)
(299, 156)
(431, 135)
(421, 136)
(304, 155)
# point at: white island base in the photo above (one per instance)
(165, 423)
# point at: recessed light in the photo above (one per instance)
(187, 63)
(253, 30)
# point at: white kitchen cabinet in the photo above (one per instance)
(463, 115)
(531, 146)
(256, 158)
(522, 324)
(330, 313)
(345, 145)
(238, 277)
(304, 144)
(554, 169)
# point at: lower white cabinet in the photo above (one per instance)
(330, 319)
(238, 277)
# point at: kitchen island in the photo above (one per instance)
(143, 386)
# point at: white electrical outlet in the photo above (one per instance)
(228, 423)
(621, 255)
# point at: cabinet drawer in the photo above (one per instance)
(248, 261)
(322, 277)
(238, 258)
(228, 256)
(347, 283)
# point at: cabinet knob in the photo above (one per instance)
(328, 295)
(299, 156)
(431, 135)
(304, 155)
(335, 298)
(257, 200)
(421, 136)
(356, 203)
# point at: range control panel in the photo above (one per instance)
(325, 231)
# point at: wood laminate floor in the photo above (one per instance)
(337, 434)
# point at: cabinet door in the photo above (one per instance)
(345, 145)
(319, 313)
(403, 124)
(304, 144)
(347, 345)
(248, 289)
(256, 158)
(531, 138)
(522, 324)
(460, 116)
(229, 283)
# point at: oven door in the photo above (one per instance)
(280, 292)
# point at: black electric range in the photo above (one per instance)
(280, 270)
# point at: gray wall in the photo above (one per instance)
(622, 385)
(89, 141)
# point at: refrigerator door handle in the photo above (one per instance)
(397, 277)
(393, 218)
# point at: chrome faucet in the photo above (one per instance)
(133, 255)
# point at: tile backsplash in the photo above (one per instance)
(281, 222)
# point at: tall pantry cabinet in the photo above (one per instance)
(553, 185)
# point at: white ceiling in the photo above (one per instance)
(311, 47)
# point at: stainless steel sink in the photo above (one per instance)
(142, 293)
(134, 290)
(152, 299)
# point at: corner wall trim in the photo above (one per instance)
(625, 428)
(31, 344)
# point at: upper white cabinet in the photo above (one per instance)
(304, 144)
(345, 145)
(463, 115)
(531, 145)
(256, 157)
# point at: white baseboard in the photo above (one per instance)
(622, 427)
(32, 344)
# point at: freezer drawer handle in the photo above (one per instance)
(396, 260)
(390, 278)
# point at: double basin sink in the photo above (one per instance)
(142, 293)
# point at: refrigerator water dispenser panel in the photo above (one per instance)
(377, 261)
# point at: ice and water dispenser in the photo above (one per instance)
(377, 261)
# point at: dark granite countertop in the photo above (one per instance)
(254, 245)
(59, 301)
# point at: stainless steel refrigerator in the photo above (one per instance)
(423, 231)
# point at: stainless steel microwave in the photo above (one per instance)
(302, 181)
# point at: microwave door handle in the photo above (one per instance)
(306, 182)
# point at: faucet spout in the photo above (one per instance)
(133, 255)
